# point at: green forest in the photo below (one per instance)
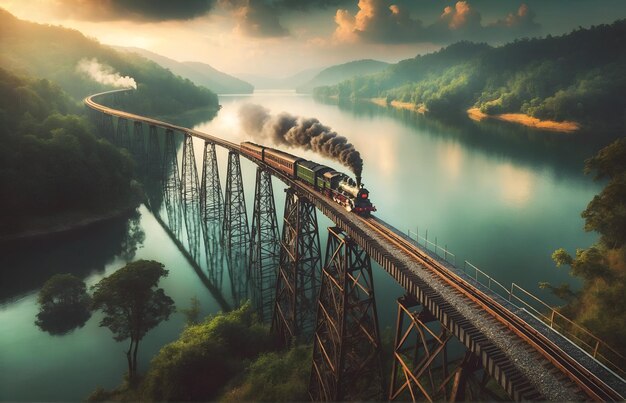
(56, 54)
(575, 77)
(50, 161)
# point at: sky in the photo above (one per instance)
(278, 38)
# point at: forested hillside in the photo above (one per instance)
(575, 77)
(335, 74)
(76, 62)
(50, 162)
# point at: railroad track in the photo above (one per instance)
(589, 384)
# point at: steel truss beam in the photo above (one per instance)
(190, 198)
(417, 348)
(122, 137)
(171, 184)
(346, 346)
(264, 246)
(154, 165)
(211, 198)
(235, 232)
(298, 271)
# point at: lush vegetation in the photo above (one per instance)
(132, 304)
(50, 162)
(601, 304)
(229, 355)
(577, 77)
(55, 53)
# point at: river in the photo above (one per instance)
(500, 196)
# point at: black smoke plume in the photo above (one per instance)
(306, 133)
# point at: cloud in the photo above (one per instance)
(381, 21)
(256, 18)
(376, 21)
(133, 10)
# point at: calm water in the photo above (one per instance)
(499, 196)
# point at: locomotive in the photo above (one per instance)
(334, 185)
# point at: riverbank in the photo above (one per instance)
(525, 120)
(38, 227)
(421, 109)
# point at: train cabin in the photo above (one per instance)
(281, 161)
(252, 150)
(310, 171)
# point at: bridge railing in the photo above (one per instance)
(443, 253)
(522, 298)
(570, 329)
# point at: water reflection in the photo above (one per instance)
(27, 264)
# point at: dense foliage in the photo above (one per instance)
(601, 304)
(63, 304)
(275, 377)
(132, 304)
(50, 163)
(576, 77)
(55, 53)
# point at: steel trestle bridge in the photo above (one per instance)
(330, 298)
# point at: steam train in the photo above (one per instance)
(335, 185)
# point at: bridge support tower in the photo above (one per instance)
(122, 137)
(298, 271)
(421, 368)
(211, 198)
(346, 346)
(171, 184)
(264, 245)
(107, 129)
(235, 232)
(138, 148)
(190, 197)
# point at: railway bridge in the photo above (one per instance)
(329, 298)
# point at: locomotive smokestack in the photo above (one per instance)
(358, 181)
(306, 133)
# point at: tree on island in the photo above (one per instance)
(132, 304)
(63, 304)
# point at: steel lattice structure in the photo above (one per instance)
(421, 367)
(264, 245)
(298, 271)
(346, 346)
(171, 184)
(190, 198)
(122, 138)
(154, 165)
(235, 232)
(138, 148)
(107, 127)
(211, 198)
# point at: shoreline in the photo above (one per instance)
(525, 120)
(421, 109)
(71, 222)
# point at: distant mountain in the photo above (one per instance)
(83, 66)
(286, 83)
(199, 73)
(336, 74)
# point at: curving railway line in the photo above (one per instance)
(527, 358)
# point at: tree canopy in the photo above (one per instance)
(132, 304)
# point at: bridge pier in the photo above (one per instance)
(107, 127)
(154, 168)
(298, 271)
(264, 245)
(171, 184)
(235, 235)
(419, 352)
(190, 197)
(346, 346)
(122, 138)
(211, 198)
(138, 148)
